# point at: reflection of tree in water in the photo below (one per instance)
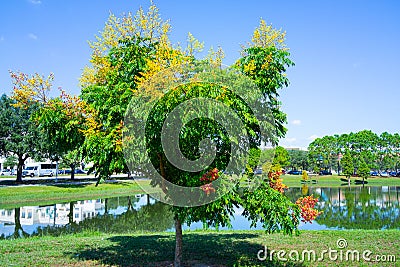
(151, 217)
(363, 208)
(18, 231)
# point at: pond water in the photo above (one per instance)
(343, 208)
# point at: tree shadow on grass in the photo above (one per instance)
(62, 182)
(79, 184)
(199, 249)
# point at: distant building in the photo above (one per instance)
(55, 214)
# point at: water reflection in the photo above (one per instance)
(113, 215)
(343, 208)
(356, 207)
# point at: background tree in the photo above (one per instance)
(347, 165)
(11, 162)
(19, 135)
(298, 159)
(363, 170)
(380, 152)
(254, 160)
(281, 158)
(73, 160)
(322, 152)
(61, 121)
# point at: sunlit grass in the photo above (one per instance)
(32, 195)
(211, 248)
(336, 181)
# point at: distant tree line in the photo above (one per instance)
(380, 152)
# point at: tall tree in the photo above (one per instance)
(298, 159)
(134, 62)
(347, 165)
(59, 120)
(363, 170)
(19, 135)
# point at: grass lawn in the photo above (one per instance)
(335, 181)
(33, 195)
(201, 248)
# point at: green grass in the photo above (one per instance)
(335, 181)
(32, 195)
(201, 248)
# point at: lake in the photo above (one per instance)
(343, 208)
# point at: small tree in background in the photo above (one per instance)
(59, 121)
(304, 175)
(11, 162)
(281, 157)
(19, 135)
(347, 165)
(363, 170)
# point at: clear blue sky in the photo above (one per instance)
(346, 52)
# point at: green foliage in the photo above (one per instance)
(120, 78)
(262, 206)
(19, 135)
(10, 161)
(62, 124)
(379, 151)
(363, 170)
(347, 164)
(298, 159)
(266, 66)
(281, 158)
(110, 100)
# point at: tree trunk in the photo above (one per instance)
(130, 207)
(106, 206)
(21, 162)
(71, 213)
(72, 171)
(348, 180)
(162, 170)
(18, 231)
(178, 243)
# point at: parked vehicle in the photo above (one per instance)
(39, 169)
(257, 171)
(384, 174)
(294, 172)
(374, 173)
(393, 174)
(6, 172)
(325, 172)
(68, 171)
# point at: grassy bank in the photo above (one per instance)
(45, 192)
(336, 181)
(32, 195)
(224, 248)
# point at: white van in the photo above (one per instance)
(39, 169)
